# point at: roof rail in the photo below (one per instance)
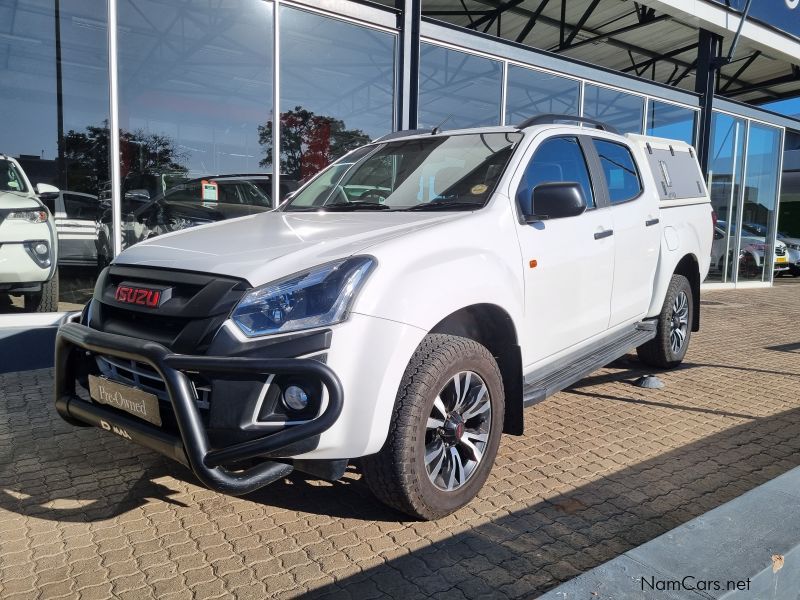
(550, 119)
(401, 134)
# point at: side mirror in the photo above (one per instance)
(46, 188)
(555, 200)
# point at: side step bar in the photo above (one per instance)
(553, 378)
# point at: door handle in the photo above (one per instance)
(603, 234)
(651, 222)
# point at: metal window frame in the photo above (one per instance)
(113, 125)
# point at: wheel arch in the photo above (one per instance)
(491, 326)
(689, 267)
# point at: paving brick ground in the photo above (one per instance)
(603, 467)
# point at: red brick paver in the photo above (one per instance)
(602, 467)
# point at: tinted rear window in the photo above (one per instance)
(619, 168)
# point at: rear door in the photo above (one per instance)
(567, 263)
(635, 215)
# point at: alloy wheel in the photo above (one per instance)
(679, 323)
(457, 431)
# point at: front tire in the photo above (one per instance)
(445, 429)
(674, 327)
(46, 300)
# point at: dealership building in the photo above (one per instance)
(115, 102)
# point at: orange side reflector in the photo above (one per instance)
(533, 263)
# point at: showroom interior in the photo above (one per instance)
(186, 90)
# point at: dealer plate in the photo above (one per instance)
(124, 397)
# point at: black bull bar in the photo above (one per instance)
(192, 448)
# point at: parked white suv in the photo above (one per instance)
(402, 312)
(753, 246)
(28, 242)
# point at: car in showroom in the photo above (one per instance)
(400, 310)
(76, 217)
(792, 246)
(28, 241)
(189, 203)
(792, 251)
(753, 246)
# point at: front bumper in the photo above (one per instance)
(191, 446)
(18, 270)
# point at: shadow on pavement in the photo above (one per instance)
(52, 471)
(556, 539)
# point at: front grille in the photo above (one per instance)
(144, 377)
(780, 251)
(198, 304)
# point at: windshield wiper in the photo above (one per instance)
(355, 205)
(447, 205)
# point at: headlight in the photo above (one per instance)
(794, 246)
(316, 297)
(31, 216)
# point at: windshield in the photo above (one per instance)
(11, 179)
(457, 172)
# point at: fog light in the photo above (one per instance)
(295, 397)
(39, 251)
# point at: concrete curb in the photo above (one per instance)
(735, 542)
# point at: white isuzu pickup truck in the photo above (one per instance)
(402, 308)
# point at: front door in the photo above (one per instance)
(568, 263)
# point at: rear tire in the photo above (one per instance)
(674, 327)
(426, 470)
(46, 300)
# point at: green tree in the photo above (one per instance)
(86, 155)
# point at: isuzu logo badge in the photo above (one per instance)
(129, 293)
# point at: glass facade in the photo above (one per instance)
(457, 89)
(744, 179)
(195, 95)
(195, 105)
(337, 89)
(789, 206)
(619, 109)
(726, 164)
(54, 97)
(670, 121)
(530, 92)
(759, 253)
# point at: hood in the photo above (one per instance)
(790, 240)
(18, 200)
(265, 247)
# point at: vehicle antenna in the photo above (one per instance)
(436, 129)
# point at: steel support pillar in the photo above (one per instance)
(708, 51)
(408, 72)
